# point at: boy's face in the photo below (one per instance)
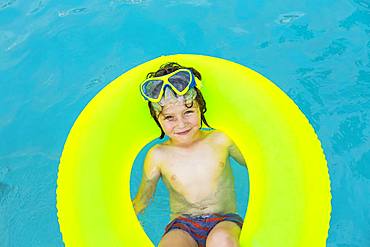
(180, 123)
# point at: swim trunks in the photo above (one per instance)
(199, 226)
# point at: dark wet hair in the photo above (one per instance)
(166, 69)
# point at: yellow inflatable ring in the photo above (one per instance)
(289, 202)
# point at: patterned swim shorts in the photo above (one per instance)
(199, 226)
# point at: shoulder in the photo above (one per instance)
(220, 137)
(153, 158)
(154, 153)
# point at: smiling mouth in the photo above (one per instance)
(183, 133)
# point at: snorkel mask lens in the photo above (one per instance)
(180, 81)
(152, 88)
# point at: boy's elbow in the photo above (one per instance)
(240, 161)
(138, 210)
(243, 163)
(139, 205)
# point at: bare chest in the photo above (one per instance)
(196, 172)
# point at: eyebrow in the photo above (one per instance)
(192, 108)
(166, 115)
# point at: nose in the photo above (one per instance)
(181, 123)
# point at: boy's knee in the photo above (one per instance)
(177, 238)
(222, 238)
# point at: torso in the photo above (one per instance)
(199, 178)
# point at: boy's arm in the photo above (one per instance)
(234, 151)
(236, 154)
(151, 175)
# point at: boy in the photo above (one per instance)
(193, 164)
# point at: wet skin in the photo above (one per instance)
(193, 164)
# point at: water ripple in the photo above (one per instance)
(297, 33)
(350, 134)
(363, 3)
(196, 3)
(128, 2)
(39, 6)
(356, 18)
(363, 77)
(19, 40)
(362, 166)
(312, 80)
(71, 12)
(93, 83)
(336, 47)
(289, 17)
(6, 4)
(4, 191)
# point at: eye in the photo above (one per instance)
(168, 118)
(188, 112)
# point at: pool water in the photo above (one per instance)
(55, 56)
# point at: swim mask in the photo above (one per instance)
(169, 97)
(180, 81)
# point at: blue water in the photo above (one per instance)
(56, 55)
